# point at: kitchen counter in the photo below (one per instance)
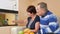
(10, 29)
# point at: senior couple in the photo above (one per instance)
(41, 20)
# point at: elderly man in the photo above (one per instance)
(48, 21)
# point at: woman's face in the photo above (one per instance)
(29, 14)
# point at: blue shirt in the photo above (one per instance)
(48, 18)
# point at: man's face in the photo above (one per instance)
(40, 11)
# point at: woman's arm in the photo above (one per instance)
(20, 21)
(37, 26)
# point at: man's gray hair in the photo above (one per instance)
(43, 5)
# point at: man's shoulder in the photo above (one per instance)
(50, 15)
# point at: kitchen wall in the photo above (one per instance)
(23, 4)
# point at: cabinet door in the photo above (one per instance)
(2, 17)
(9, 4)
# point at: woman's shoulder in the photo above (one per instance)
(37, 17)
(28, 18)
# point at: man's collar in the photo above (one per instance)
(45, 14)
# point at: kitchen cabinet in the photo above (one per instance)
(9, 4)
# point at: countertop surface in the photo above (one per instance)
(7, 29)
